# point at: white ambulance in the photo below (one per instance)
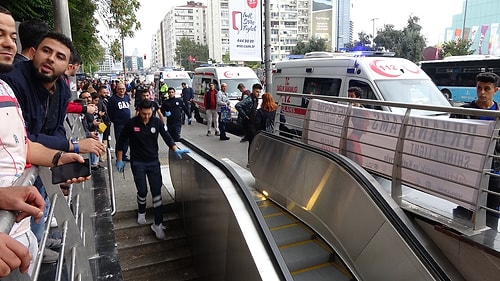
(380, 78)
(231, 75)
(173, 78)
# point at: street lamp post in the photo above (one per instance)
(373, 30)
(465, 16)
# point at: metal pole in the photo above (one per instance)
(267, 44)
(465, 16)
(123, 60)
(373, 30)
(61, 17)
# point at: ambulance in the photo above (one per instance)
(231, 75)
(173, 78)
(379, 76)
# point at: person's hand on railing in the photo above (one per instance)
(179, 152)
(90, 145)
(25, 200)
(12, 255)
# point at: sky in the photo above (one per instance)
(435, 16)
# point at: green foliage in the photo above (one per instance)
(83, 24)
(30, 10)
(253, 64)
(362, 44)
(407, 43)
(313, 45)
(187, 47)
(123, 16)
(460, 47)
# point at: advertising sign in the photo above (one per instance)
(441, 156)
(245, 30)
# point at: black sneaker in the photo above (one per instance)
(224, 138)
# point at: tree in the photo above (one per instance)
(83, 24)
(313, 45)
(362, 44)
(407, 43)
(187, 48)
(123, 18)
(458, 47)
(412, 42)
(388, 39)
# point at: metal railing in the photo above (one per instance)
(74, 213)
(441, 158)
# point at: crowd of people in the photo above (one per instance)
(36, 98)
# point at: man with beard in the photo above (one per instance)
(17, 151)
(43, 99)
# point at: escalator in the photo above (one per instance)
(321, 218)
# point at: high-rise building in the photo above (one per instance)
(186, 21)
(479, 22)
(217, 29)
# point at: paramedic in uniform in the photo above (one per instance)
(142, 132)
(173, 108)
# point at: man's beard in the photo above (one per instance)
(45, 77)
(5, 67)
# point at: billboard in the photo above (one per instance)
(245, 30)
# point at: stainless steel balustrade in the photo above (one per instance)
(297, 128)
(74, 214)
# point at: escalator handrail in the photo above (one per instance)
(256, 215)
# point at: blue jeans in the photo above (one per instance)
(38, 228)
(118, 127)
(222, 126)
(188, 106)
(151, 171)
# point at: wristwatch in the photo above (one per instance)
(75, 145)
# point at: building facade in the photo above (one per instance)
(478, 22)
(291, 22)
(186, 21)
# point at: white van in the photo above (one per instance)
(380, 78)
(230, 75)
(172, 78)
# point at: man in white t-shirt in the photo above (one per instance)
(16, 151)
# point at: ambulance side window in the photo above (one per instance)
(368, 92)
(204, 84)
(322, 86)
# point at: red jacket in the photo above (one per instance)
(210, 100)
(74, 107)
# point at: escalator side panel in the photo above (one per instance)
(329, 199)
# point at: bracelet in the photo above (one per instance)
(56, 158)
(75, 146)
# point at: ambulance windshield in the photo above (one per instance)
(417, 91)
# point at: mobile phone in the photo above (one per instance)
(65, 172)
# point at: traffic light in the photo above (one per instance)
(144, 56)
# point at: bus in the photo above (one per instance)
(455, 76)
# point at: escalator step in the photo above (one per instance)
(323, 272)
(290, 234)
(303, 255)
(278, 220)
